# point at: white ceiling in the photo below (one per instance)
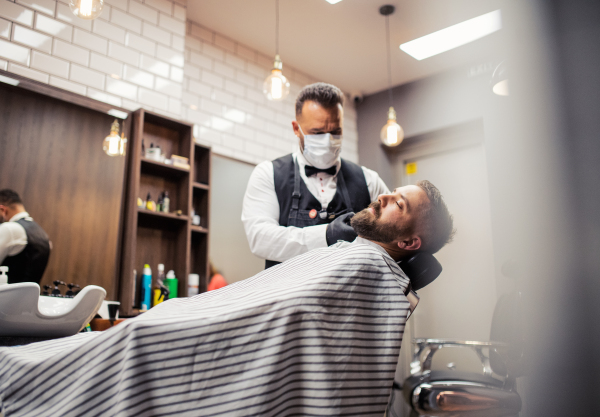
(344, 43)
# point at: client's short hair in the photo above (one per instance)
(326, 95)
(9, 197)
(436, 221)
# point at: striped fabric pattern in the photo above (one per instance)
(318, 335)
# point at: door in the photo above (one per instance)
(460, 303)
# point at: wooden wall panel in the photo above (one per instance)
(51, 154)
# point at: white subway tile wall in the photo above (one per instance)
(223, 97)
(113, 58)
(5, 26)
(142, 53)
(27, 72)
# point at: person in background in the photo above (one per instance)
(24, 245)
(216, 279)
(305, 200)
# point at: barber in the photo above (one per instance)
(24, 246)
(305, 200)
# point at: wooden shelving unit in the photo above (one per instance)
(167, 238)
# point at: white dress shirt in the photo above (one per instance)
(260, 212)
(13, 237)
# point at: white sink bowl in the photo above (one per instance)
(23, 312)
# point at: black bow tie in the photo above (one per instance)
(312, 170)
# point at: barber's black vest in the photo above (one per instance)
(352, 194)
(29, 265)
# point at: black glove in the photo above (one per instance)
(340, 229)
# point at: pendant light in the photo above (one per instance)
(114, 145)
(276, 87)
(86, 9)
(391, 134)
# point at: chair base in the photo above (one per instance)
(456, 394)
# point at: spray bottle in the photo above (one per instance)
(146, 288)
(159, 291)
(171, 283)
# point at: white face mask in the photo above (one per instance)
(323, 150)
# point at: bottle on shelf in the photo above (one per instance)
(134, 295)
(151, 151)
(150, 205)
(146, 288)
(193, 285)
(171, 282)
(159, 202)
(166, 202)
(160, 292)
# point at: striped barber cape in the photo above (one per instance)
(318, 335)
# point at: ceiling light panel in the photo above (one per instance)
(333, 1)
(453, 36)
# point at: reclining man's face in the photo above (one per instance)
(393, 218)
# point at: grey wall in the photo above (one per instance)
(422, 106)
(460, 97)
(229, 250)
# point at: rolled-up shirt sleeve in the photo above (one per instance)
(13, 239)
(260, 216)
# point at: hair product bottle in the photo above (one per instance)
(158, 285)
(171, 283)
(146, 288)
(166, 202)
(193, 284)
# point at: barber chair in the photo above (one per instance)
(451, 393)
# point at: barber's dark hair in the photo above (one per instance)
(9, 197)
(326, 95)
(436, 220)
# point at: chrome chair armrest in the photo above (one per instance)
(425, 349)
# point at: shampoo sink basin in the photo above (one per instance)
(23, 312)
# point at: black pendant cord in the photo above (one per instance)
(389, 59)
(276, 27)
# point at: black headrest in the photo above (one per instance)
(422, 269)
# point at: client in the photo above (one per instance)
(317, 335)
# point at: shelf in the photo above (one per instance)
(158, 168)
(199, 229)
(156, 214)
(201, 186)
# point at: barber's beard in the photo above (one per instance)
(369, 225)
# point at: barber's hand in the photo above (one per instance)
(340, 229)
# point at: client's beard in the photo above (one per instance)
(368, 225)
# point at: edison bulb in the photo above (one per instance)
(114, 145)
(111, 144)
(86, 9)
(392, 134)
(276, 87)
